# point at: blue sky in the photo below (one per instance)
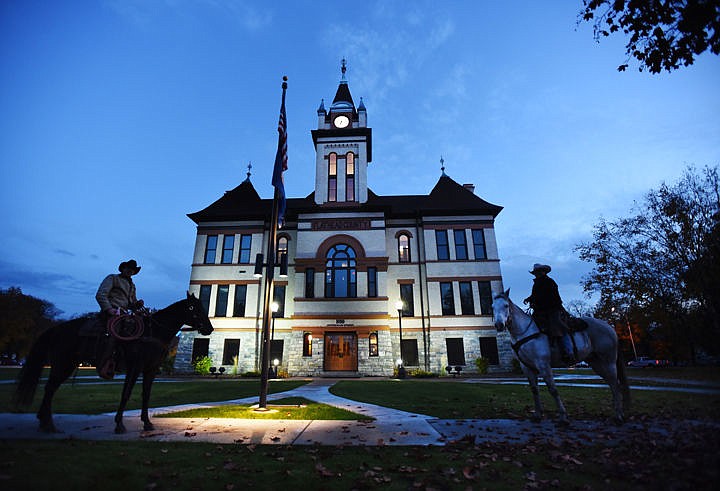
(119, 117)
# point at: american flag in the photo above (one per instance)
(281, 159)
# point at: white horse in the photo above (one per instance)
(598, 345)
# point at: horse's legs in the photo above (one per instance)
(148, 378)
(58, 374)
(130, 378)
(533, 380)
(608, 372)
(552, 389)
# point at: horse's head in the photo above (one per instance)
(501, 310)
(196, 316)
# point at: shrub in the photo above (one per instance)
(251, 374)
(482, 365)
(422, 374)
(202, 365)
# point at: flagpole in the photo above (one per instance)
(269, 283)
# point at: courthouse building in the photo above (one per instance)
(373, 282)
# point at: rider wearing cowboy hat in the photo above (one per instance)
(116, 293)
(547, 306)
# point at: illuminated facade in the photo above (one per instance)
(353, 256)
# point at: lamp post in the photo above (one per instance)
(399, 305)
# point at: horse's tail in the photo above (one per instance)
(622, 378)
(29, 375)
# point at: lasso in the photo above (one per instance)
(139, 327)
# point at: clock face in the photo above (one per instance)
(341, 121)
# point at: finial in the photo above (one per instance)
(343, 67)
(442, 165)
(249, 166)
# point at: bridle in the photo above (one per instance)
(511, 321)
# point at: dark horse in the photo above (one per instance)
(63, 348)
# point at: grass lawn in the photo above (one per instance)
(103, 398)
(457, 400)
(636, 464)
(287, 408)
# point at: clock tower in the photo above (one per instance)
(343, 149)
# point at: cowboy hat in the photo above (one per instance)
(129, 264)
(540, 268)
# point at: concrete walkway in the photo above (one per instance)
(390, 427)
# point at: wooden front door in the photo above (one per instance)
(341, 352)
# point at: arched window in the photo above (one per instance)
(350, 177)
(340, 272)
(282, 247)
(373, 344)
(332, 177)
(404, 248)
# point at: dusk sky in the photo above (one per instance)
(119, 117)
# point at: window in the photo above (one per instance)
(404, 248)
(279, 298)
(406, 295)
(310, 283)
(231, 351)
(479, 244)
(455, 351)
(210, 249)
(489, 350)
(205, 291)
(373, 344)
(340, 272)
(485, 297)
(276, 351)
(307, 344)
(443, 250)
(221, 301)
(447, 299)
(245, 243)
(350, 177)
(200, 349)
(460, 244)
(372, 281)
(332, 177)
(239, 304)
(467, 306)
(282, 247)
(409, 352)
(228, 243)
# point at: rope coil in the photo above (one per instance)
(117, 324)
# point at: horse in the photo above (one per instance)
(598, 345)
(64, 348)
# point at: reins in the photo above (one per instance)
(520, 342)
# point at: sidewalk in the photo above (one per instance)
(391, 427)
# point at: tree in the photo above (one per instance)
(660, 265)
(664, 34)
(22, 319)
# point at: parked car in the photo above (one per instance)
(644, 361)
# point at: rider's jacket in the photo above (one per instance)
(116, 291)
(545, 295)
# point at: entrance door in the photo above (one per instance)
(341, 352)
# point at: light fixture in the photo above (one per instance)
(399, 305)
(276, 362)
(274, 307)
(258, 266)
